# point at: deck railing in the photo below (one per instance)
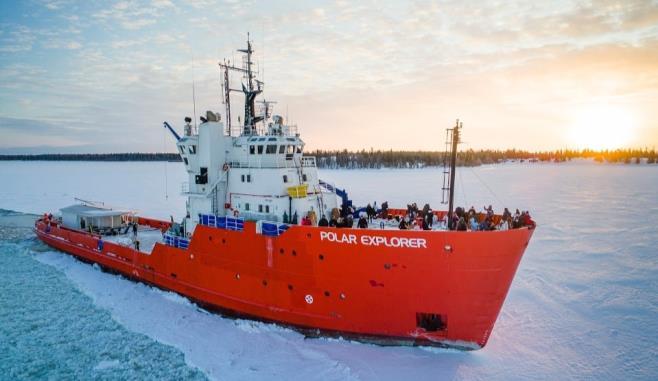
(175, 241)
(228, 223)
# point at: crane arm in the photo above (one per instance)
(167, 125)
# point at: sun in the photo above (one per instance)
(602, 127)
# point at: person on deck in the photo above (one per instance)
(323, 221)
(484, 225)
(461, 224)
(473, 223)
(363, 222)
(370, 211)
(403, 224)
(349, 221)
(429, 218)
(333, 223)
(384, 212)
(516, 220)
(426, 209)
(526, 220)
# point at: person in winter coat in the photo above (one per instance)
(363, 222)
(461, 224)
(370, 211)
(323, 221)
(384, 212)
(473, 223)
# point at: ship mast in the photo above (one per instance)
(449, 169)
(249, 90)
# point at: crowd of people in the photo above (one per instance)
(487, 220)
(415, 218)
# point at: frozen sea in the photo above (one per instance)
(583, 306)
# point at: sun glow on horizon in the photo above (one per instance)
(602, 127)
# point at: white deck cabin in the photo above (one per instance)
(84, 217)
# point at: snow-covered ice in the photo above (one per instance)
(584, 303)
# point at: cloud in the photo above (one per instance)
(130, 15)
(162, 4)
(356, 70)
(15, 39)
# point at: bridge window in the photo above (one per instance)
(252, 150)
(248, 178)
(285, 178)
(282, 149)
(260, 208)
(242, 177)
(267, 208)
(185, 160)
(299, 149)
(291, 150)
(260, 150)
(182, 149)
(246, 206)
(271, 148)
(193, 149)
(271, 139)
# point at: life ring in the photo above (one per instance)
(236, 213)
(225, 167)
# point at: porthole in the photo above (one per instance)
(342, 296)
(321, 257)
(327, 293)
(237, 276)
(290, 287)
(294, 253)
(264, 283)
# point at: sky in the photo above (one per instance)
(102, 76)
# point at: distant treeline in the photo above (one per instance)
(405, 159)
(131, 156)
(390, 158)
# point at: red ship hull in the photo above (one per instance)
(440, 288)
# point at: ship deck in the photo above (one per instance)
(146, 235)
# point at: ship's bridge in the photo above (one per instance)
(269, 152)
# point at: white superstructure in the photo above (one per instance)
(260, 173)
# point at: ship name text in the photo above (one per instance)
(374, 240)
